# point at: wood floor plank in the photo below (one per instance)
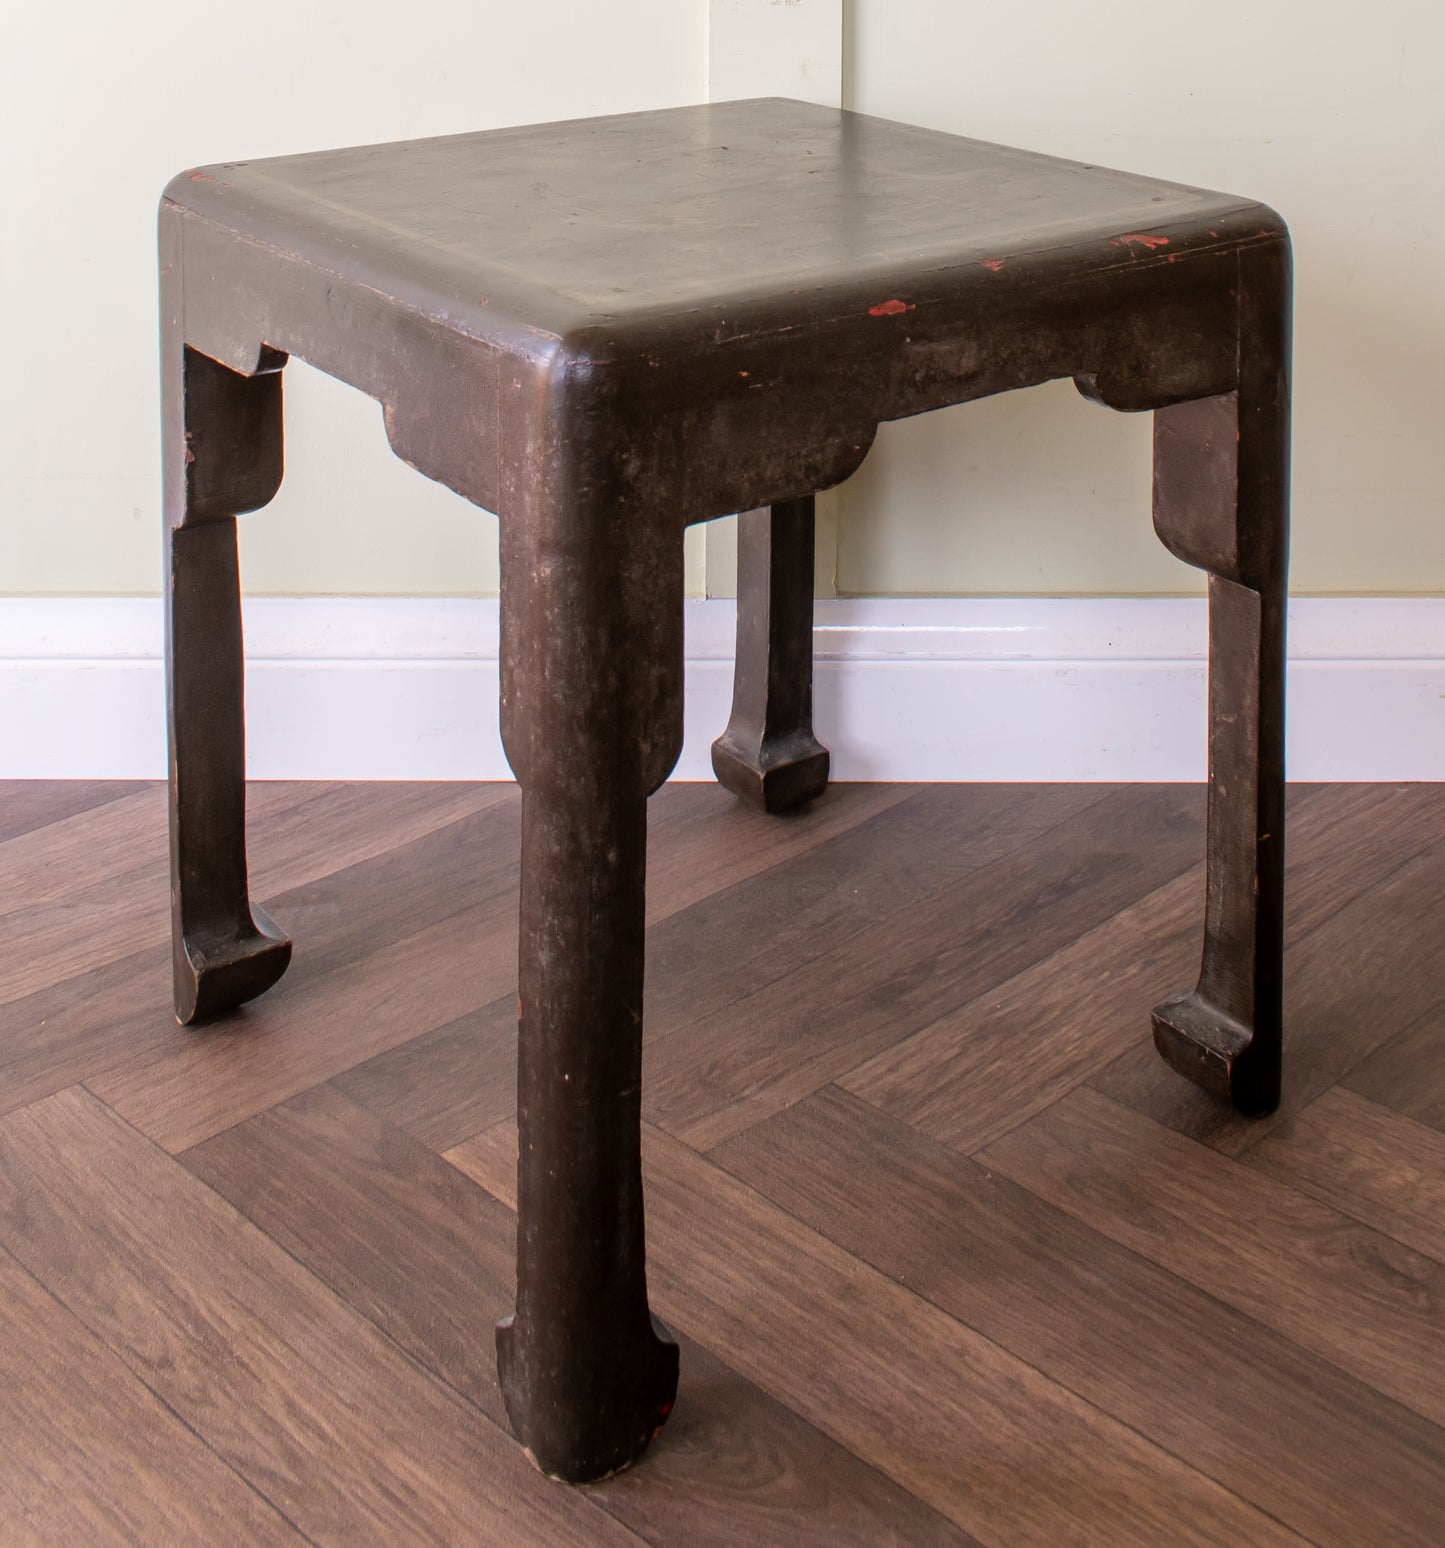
(59, 938)
(52, 926)
(449, 890)
(972, 1075)
(106, 839)
(341, 916)
(126, 837)
(1082, 1013)
(408, 1241)
(460, 1078)
(1358, 1298)
(1279, 1426)
(427, 1255)
(1343, 839)
(351, 823)
(735, 1466)
(77, 1026)
(302, 1396)
(98, 1023)
(91, 1455)
(1364, 972)
(1384, 1169)
(1406, 1072)
(729, 945)
(1117, 1339)
(200, 1082)
(702, 838)
(979, 1434)
(752, 1058)
(86, 891)
(447, 1084)
(27, 804)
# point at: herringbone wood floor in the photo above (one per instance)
(951, 1256)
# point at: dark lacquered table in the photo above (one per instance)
(603, 331)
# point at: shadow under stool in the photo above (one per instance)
(606, 330)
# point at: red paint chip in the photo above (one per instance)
(1143, 239)
(889, 308)
(995, 264)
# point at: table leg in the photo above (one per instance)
(587, 1375)
(222, 456)
(592, 722)
(1221, 502)
(768, 754)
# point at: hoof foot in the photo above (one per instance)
(777, 776)
(602, 1420)
(214, 975)
(1217, 1052)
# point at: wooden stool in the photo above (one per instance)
(603, 331)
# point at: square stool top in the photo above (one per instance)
(716, 218)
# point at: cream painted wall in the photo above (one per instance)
(1332, 113)
(101, 104)
(760, 48)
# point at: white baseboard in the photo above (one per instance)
(907, 689)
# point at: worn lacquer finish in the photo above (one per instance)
(603, 331)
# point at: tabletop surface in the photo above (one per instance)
(581, 223)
